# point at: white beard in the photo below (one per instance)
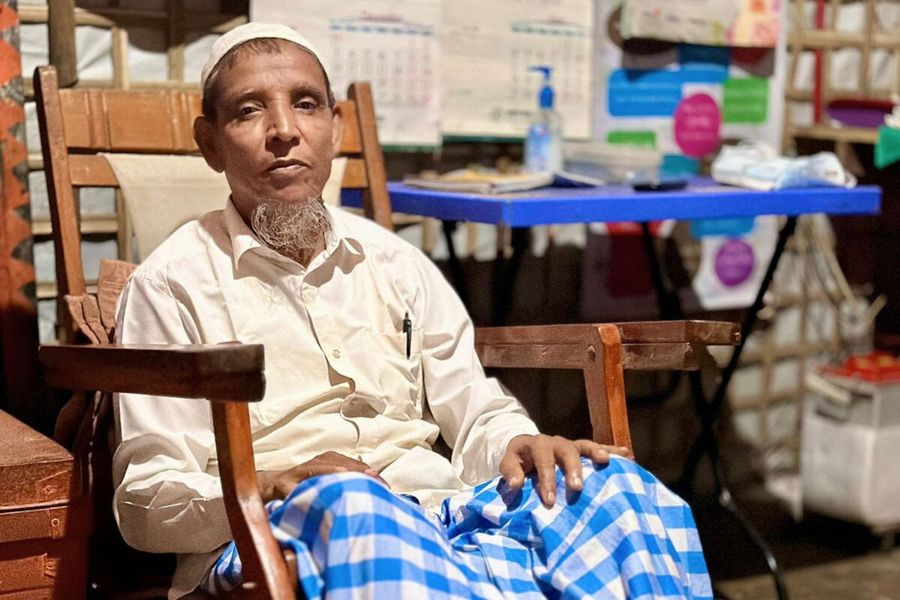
(293, 229)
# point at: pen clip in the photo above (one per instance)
(407, 329)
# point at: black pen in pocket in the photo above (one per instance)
(407, 329)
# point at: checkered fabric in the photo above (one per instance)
(625, 536)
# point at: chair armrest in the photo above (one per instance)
(230, 375)
(653, 345)
(232, 372)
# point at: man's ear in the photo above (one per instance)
(204, 135)
(337, 130)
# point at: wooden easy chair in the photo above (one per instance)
(76, 124)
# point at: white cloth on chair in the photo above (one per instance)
(164, 191)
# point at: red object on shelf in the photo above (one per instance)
(876, 367)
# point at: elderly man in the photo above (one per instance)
(369, 358)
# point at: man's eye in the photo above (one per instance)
(245, 111)
(309, 105)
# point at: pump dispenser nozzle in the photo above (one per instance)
(546, 94)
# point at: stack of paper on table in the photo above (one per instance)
(482, 181)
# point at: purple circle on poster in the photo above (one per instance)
(734, 262)
(697, 122)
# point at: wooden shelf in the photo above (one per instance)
(90, 225)
(46, 290)
(861, 135)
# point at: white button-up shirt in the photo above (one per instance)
(338, 376)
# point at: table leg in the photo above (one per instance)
(718, 400)
(506, 272)
(708, 411)
(456, 270)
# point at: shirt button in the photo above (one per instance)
(308, 294)
(336, 353)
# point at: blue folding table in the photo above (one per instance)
(703, 198)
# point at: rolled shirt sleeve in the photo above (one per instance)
(165, 500)
(476, 417)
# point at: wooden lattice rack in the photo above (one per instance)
(804, 37)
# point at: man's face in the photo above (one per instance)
(274, 134)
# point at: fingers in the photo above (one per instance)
(339, 460)
(624, 451)
(543, 455)
(377, 475)
(511, 468)
(600, 453)
(540, 454)
(568, 458)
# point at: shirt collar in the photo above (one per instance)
(244, 240)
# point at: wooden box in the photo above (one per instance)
(44, 520)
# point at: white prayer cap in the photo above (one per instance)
(247, 32)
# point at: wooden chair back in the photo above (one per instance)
(78, 124)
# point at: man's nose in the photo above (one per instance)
(282, 125)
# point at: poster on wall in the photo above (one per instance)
(683, 99)
(487, 50)
(393, 44)
(734, 255)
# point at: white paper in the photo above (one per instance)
(393, 44)
(487, 48)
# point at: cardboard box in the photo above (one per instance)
(850, 457)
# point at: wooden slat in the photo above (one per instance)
(530, 356)
(147, 121)
(82, 128)
(90, 225)
(376, 201)
(355, 174)
(47, 289)
(706, 332)
(265, 573)
(661, 357)
(63, 211)
(64, 522)
(220, 372)
(713, 333)
(810, 38)
(61, 33)
(112, 17)
(130, 121)
(350, 143)
(635, 357)
(176, 39)
(863, 135)
(91, 170)
(614, 387)
(34, 470)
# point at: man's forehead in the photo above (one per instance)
(247, 67)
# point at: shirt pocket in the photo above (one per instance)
(391, 380)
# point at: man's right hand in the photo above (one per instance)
(276, 485)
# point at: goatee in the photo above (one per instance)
(293, 229)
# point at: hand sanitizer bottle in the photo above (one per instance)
(543, 146)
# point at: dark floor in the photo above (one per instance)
(822, 558)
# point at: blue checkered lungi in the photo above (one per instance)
(625, 536)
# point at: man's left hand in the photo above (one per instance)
(540, 453)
